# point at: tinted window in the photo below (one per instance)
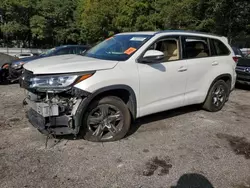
(49, 52)
(219, 48)
(81, 50)
(196, 47)
(65, 51)
(24, 54)
(237, 51)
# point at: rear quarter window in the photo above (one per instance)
(219, 48)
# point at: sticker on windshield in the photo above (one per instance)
(130, 51)
(138, 39)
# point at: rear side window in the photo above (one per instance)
(196, 47)
(219, 48)
(66, 50)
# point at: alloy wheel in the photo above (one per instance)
(105, 121)
(218, 96)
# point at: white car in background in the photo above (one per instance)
(24, 55)
(125, 77)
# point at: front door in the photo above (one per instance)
(162, 85)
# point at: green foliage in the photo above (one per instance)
(56, 22)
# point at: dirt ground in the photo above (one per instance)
(180, 148)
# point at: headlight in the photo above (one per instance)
(56, 82)
(17, 65)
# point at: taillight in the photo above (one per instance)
(6, 66)
(236, 59)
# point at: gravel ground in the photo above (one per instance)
(179, 148)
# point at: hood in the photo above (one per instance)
(67, 64)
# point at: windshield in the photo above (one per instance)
(118, 48)
(48, 52)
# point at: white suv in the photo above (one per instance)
(127, 76)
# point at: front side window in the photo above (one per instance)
(195, 47)
(170, 48)
(220, 48)
(118, 47)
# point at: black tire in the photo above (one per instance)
(215, 102)
(94, 111)
(3, 76)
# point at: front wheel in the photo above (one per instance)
(217, 96)
(107, 119)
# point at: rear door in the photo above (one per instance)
(196, 51)
(225, 62)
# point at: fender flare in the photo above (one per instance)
(221, 76)
(132, 103)
(216, 79)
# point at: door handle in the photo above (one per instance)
(215, 63)
(182, 69)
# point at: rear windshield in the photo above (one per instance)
(118, 48)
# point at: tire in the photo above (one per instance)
(109, 115)
(217, 96)
(3, 76)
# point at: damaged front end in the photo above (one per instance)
(53, 110)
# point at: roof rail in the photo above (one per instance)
(186, 31)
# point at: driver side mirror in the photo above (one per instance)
(152, 56)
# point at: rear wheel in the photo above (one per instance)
(217, 96)
(107, 119)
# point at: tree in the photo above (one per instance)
(16, 15)
(55, 22)
(96, 19)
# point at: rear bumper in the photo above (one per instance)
(243, 82)
(243, 78)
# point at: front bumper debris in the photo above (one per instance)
(44, 109)
(55, 117)
(55, 125)
(53, 112)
